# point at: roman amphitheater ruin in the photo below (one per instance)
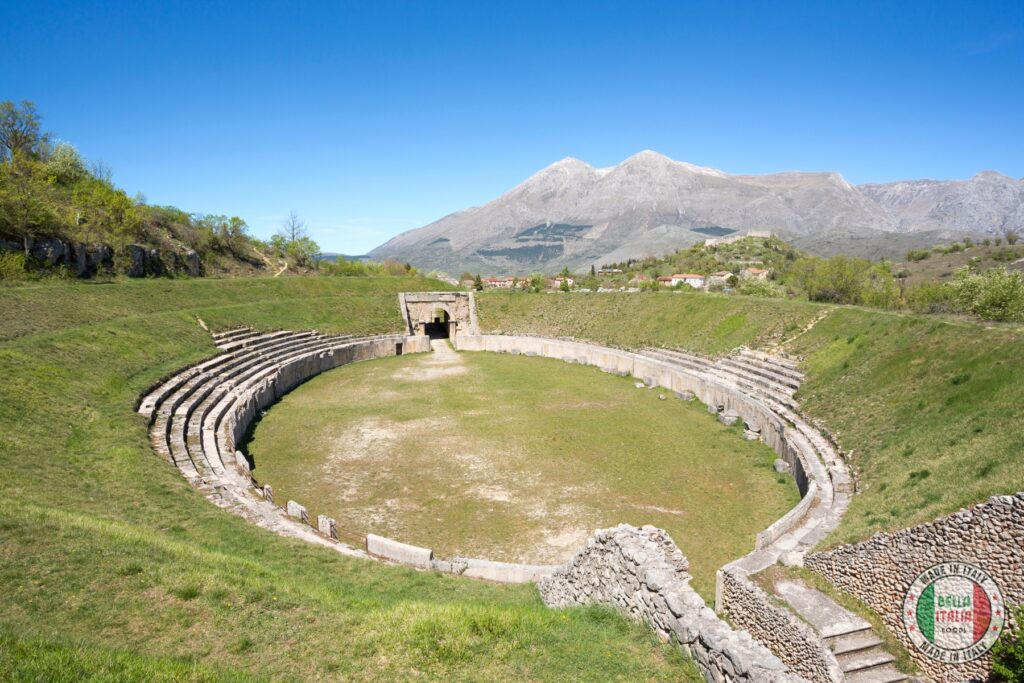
(201, 416)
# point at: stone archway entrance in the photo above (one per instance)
(441, 327)
(439, 315)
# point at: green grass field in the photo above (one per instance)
(929, 407)
(114, 568)
(516, 459)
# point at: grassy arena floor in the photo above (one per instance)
(929, 408)
(112, 567)
(516, 459)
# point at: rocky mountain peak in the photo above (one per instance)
(572, 214)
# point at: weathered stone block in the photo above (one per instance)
(397, 551)
(297, 511)
(327, 526)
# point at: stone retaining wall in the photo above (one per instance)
(879, 571)
(643, 574)
(797, 644)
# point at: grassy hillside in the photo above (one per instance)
(113, 567)
(942, 265)
(929, 408)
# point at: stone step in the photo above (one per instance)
(180, 424)
(864, 659)
(853, 642)
(259, 341)
(761, 383)
(751, 384)
(827, 616)
(772, 368)
(152, 401)
(230, 334)
(768, 375)
(214, 414)
(786, 363)
(880, 674)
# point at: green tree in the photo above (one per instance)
(228, 235)
(20, 132)
(1011, 237)
(65, 166)
(298, 245)
(26, 202)
(303, 250)
(105, 212)
(478, 283)
(564, 285)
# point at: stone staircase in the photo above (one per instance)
(859, 651)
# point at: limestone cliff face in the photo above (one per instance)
(571, 214)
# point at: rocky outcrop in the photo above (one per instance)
(643, 574)
(88, 260)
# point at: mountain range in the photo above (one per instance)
(572, 214)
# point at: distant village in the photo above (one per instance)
(726, 261)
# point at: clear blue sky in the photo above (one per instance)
(374, 117)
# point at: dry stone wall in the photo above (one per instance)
(797, 644)
(643, 574)
(879, 571)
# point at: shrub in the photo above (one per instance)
(997, 294)
(12, 265)
(1008, 654)
(763, 288)
(918, 254)
(930, 297)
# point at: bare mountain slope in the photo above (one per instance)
(571, 214)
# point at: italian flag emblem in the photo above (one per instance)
(953, 612)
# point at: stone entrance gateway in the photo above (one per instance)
(439, 315)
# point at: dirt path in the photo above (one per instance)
(284, 265)
(780, 348)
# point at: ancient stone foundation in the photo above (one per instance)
(879, 571)
(643, 574)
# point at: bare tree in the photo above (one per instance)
(296, 242)
(100, 170)
(293, 228)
